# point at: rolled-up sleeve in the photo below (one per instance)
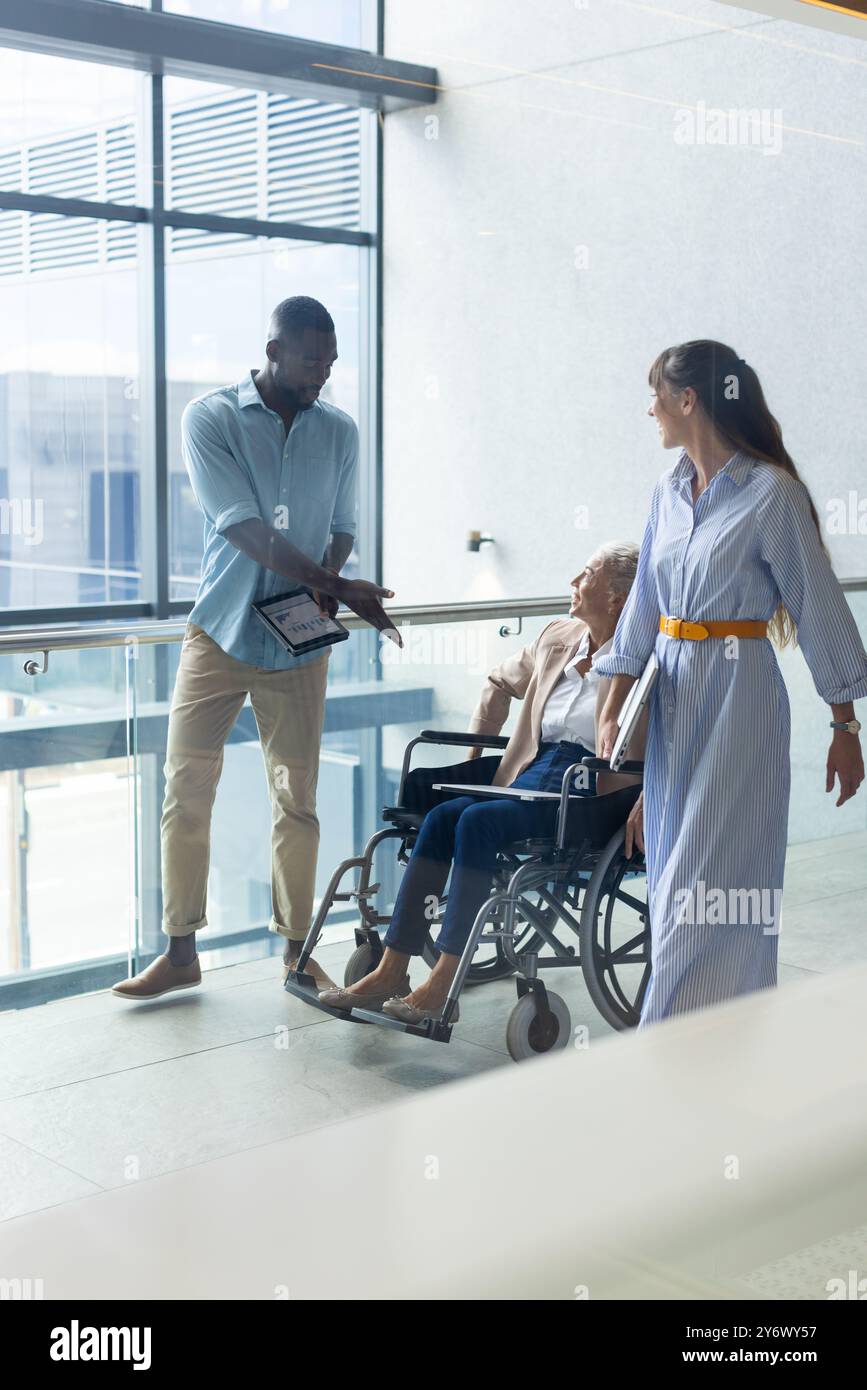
(638, 624)
(790, 545)
(221, 484)
(345, 513)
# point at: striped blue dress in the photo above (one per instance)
(717, 770)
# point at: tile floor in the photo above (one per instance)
(95, 1093)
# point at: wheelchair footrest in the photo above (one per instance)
(305, 987)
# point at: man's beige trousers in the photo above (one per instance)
(290, 708)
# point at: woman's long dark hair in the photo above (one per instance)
(731, 396)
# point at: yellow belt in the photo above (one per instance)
(696, 632)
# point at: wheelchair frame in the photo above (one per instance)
(549, 864)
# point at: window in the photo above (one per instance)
(116, 314)
(339, 21)
(105, 307)
(68, 129)
(70, 429)
(261, 154)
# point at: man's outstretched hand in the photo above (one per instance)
(328, 603)
(363, 597)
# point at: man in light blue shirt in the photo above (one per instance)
(274, 470)
(246, 465)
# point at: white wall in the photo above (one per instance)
(515, 382)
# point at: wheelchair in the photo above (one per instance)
(571, 899)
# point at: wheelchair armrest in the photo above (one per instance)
(603, 765)
(603, 802)
(464, 740)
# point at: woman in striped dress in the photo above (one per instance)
(732, 535)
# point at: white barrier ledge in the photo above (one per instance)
(664, 1164)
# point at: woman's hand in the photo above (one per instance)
(609, 726)
(608, 730)
(846, 762)
(635, 827)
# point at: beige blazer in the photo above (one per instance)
(530, 675)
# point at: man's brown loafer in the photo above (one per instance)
(160, 977)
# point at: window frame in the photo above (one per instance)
(150, 35)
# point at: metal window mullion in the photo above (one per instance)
(102, 189)
(253, 227)
(11, 201)
(263, 157)
(25, 220)
(152, 392)
(373, 20)
(376, 254)
(70, 207)
(158, 364)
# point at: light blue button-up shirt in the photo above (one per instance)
(242, 464)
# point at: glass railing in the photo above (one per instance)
(67, 774)
(82, 748)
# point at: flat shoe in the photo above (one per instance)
(323, 980)
(343, 999)
(395, 1007)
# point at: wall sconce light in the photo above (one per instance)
(476, 539)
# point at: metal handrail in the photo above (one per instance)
(59, 638)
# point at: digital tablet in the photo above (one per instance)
(633, 707)
(297, 623)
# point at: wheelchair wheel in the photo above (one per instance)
(360, 963)
(528, 1035)
(615, 934)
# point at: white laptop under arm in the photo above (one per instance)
(633, 707)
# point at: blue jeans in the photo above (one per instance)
(469, 832)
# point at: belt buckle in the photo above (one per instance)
(672, 627)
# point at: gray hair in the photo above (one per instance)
(619, 559)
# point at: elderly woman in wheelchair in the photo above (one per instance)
(562, 698)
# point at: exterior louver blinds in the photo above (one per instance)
(11, 223)
(65, 168)
(238, 154)
(313, 163)
(212, 164)
(120, 237)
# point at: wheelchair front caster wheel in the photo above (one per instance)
(529, 1035)
(360, 963)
